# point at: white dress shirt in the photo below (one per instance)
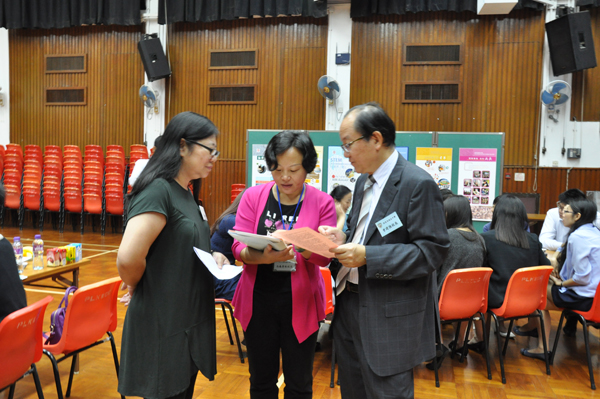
(554, 232)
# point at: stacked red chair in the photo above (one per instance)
(236, 189)
(114, 179)
(51, 185)
(73, 176)
(13, 176)
(136, 152)
(32, 179)
(93, 175)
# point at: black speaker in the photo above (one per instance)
(153, 58)
(571, 43)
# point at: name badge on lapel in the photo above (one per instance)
(388, 224)
(287, 266)
(202, 212)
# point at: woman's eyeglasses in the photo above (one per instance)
(346, 147)
(213, 151)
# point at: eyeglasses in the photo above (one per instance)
(213, 151)
(560, 205)
(346, 147)
(568, 212)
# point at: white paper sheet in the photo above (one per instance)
(257, 241)
(226, 273)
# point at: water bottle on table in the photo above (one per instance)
(38, 253)
(18, 248)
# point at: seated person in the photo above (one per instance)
(508, 248)
(487, 226)
(342, 196)
(577, 271)
(467, 250)
(12, 293)
(553, 232)
(446, 193)
(221, 241)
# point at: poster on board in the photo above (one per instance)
(315, 178)
(403, 151)
(438, 163)
(339, 169)
(476, 177)
(260, 172)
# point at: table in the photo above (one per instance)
(55, 273)
(537, 217)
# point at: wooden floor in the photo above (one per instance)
(96, 379)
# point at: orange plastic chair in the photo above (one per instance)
(329, 308)
(92, 312)
(21, 345)
(589, 318)
(464, 296)
(525, 297)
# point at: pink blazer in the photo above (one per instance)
(308, 291)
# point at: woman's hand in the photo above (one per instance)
(220, 259)
(268, 255)
(334, 234)
(125, 299)
(555, 281)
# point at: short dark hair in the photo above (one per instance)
(446, 193)
(339, 192)
(283, 141)
(370, 117)
(570, 195)
(508, 220)
(2, 194)
(458, 212)
(588, 211)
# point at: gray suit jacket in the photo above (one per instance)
(397, 287)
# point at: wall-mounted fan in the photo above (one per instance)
(556, 93)
(148, 97)
(329, 88)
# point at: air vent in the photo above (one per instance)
(66, 63)
(431, 92)
(66, 96)
(432, 54)
(232, 59)
(238, 94)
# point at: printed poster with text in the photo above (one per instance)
(438, 163)
(339, 170)
(315, 178)
(260, 173)
(476, 177)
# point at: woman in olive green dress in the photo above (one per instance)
(169, 329)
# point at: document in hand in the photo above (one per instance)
(307, 238)
(257, 241)
(226, 273)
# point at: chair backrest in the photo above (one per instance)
(594, 313)
(91, 313)
(464, 293)
(21, 341)
(526, 291)
(326, 273)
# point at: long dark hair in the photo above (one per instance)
(588, 211)
(508, 220)
(339, 192)
(458, 213)
(231, 210)
(166, 161)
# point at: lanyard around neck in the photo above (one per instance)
(296, 210)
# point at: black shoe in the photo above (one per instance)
(539, 356)
(531, 333)
(478, 347)
(441, 353)
(570, 328)
(459, 351)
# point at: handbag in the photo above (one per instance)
(57, 319)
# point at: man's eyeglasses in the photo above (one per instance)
(346, 147)
(213, 151)
(560, 205)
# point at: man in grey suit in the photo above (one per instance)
(384, 321)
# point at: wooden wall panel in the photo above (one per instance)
(216, 188)
(500, 75)
(113, 113)
(551, 182)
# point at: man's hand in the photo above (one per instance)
(350, 255)
(334, 234)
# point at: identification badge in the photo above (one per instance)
(202, 212)
(388, 224)
(286, 266)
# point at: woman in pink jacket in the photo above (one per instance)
(279, 300)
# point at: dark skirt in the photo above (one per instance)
(570, 300)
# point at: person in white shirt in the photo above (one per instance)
(140, 164)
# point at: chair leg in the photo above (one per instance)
(499, 347)
(438, 344)
(235, 331)
(226, 323)
(453, 351)
(586, 338)
(486, 344)
(56, 374)
(541, 316)
(555, 346)
(71, 374)
(510, 326)
(115, 357)
(36, 380)
(11, 391)
(331, 384)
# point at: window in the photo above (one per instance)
(428, 54)
(233, 59)
(65, 96)
(431, 92)
(66, 63)
(233, 94)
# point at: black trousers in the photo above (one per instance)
(357, 379)
(270, 332)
